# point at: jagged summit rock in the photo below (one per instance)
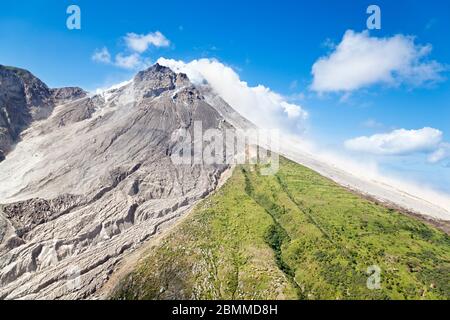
(94, 179)
(37, 94)
(155, 71)
(25, 99)
(67, 94)
(157, 79)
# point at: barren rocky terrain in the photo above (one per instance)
(93, 178)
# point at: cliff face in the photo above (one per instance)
(94, 178)
(24, 99)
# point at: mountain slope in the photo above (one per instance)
(94, 180)
(296, 235)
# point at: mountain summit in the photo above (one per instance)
(93, 179)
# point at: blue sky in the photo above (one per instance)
(274, 43)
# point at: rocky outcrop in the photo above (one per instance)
(23, 100)
(63, 95)
(94, 180)
(26, 215)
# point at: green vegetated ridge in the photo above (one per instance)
(294, 235)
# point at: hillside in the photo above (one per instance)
(94, 179)
(296, 235)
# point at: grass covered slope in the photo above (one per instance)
(295, 235)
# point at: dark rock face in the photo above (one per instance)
(158, 79)
(24, 99)
(28, 214)
(63, 95)
(37, 93)
(14, 114)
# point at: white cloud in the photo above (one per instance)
(398, 142)
(141, 42)
(442, 153)
(102, 56)
(137, 44)
(360, 61)
(264, 107)
(132, 61)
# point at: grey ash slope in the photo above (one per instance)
(94, 180)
